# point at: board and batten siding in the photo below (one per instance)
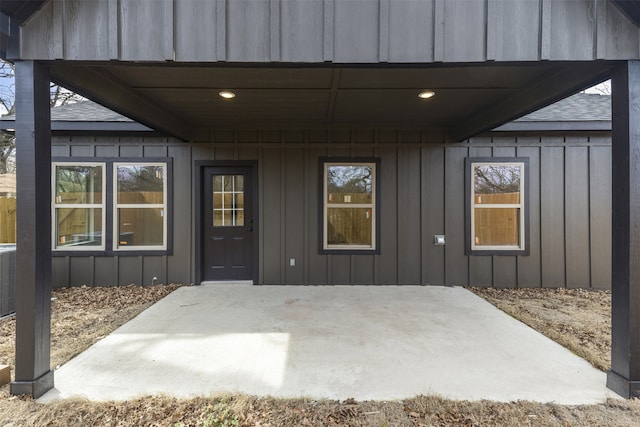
(316, 31)
(422, 194)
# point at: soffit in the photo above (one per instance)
(183, 99)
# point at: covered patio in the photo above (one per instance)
(305, 72)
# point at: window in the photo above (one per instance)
(139, 206)
(349, 217)
(110, 206)
(228, 200)
(497, 206)
(78, 206)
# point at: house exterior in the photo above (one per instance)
(569, 216)
(324, 142)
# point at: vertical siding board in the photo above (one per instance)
(154, 151)
(356, 31)
(465, 28)
(195, 30)
(340, 269)
(516, 26)
(383, 33)
(545, 29)
(610, 44)
(600, 208)
(59, 272)
(529, 266)
(552, 216)
(438, 30)
(180, 262)
(113, 29)
(274, 30)
(294, 221)
(577, 217)
(302, 31)
(42, 34)
(577, 44)
(86, 30)
(480, 267)
(316, 264)
(456, 262)
(221, 30)
(387, 261)
(81, 151)
(248, 30)
(131, 151)
(81, 270)
(143, 32)
(432, 191)
(106, 150)
(154, 266)
(105, 272)
(409, 245)
(60, 151)
(272, 246)
(328, 30)
(129, 270)
(504, 267)
(411, 25)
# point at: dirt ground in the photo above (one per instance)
(81, 316)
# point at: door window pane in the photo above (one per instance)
(228, 200)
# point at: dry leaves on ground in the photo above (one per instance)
(578, 319)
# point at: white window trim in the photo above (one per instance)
(520, 206)
(117, 206)
(327, 205)
(55, 206)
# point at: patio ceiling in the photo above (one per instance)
(183, 100)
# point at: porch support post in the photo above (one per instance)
(33, 375)
(624, 377)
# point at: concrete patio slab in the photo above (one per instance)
(364, 342)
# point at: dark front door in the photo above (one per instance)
(228, 240)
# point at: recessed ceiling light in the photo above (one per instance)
(426, 94)
(227, 94)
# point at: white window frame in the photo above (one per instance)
(326, 205)
(521, 206)
(117, 206)
(55, 206)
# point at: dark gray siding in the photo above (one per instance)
(366, 31)
(422, 194)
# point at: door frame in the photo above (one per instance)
(199, 167)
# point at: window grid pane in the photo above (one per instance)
(228, 200)
(78, 206)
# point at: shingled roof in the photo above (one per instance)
(84, 116)
(579, 112)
